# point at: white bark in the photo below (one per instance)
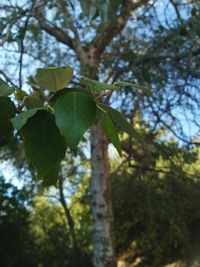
(103, 236)
(103, 240)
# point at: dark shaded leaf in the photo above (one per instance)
(7, 111)
(7, 107)
(44, 145)
(55, 96)
(119, 120)
(5, 90)
(19, 121)
(6, 132)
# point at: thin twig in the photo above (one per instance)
(22, 45)
(7, 78)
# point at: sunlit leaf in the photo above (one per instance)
(20, 94)
(32, 101)
(53, 78)
(138, 88)
(123, 83)
(96, 86)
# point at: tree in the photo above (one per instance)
(16, 246)
(89, 58)
(155, 198)
(139, 63)
(34, 230)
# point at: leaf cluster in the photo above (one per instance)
(49, 126)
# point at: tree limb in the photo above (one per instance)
(69, 220)
(113, 28)
(77, 43)
(58, 33)
(7, 78)
(22, 44)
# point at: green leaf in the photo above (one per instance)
(104, 12)
(111, 132)
(7, 111)
(44, 145)
(122, 83)
(53, 78)
(119, 120)
(20, 94)
(5, 90)
(32, 101)
(96, 86)
(54, 97)
(75, 112)
(6, 132)
(85, 7)
(142, 88)
(7, 107)
(19, 121)
(92, 12)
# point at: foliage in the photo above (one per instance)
(155, 202)
(7, 110)
(34, 230)
(156, 214)
(16, 245)
(5, 89)
(54, 78)
(75, 112)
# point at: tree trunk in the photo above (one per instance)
(103, 236)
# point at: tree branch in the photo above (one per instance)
(58, 33)
(175, 5)
(69, 220)
(113, 28)
(77, 43)
(7, 78)
(22, 44)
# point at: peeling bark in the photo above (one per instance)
(103, 238)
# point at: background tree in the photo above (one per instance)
(14, 230)
(153, 199)
(144, 53)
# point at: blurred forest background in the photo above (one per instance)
(156, 184)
